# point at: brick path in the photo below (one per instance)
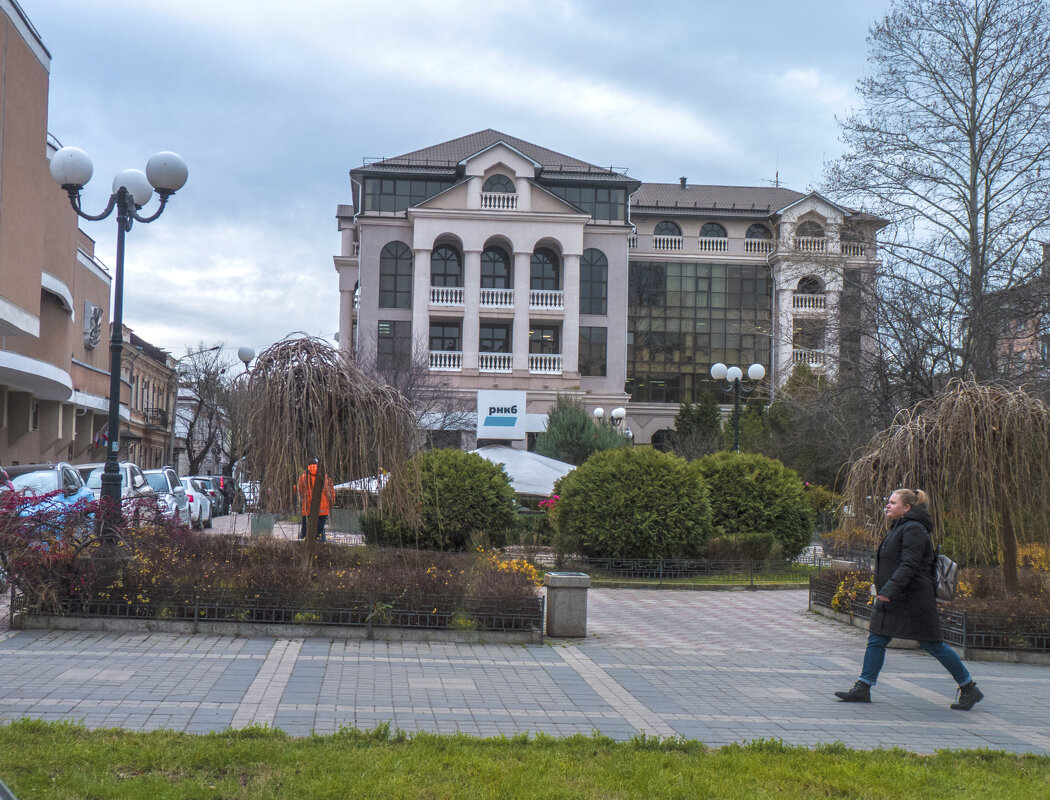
(715, 666)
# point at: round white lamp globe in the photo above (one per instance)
(718, 371)
(167, 172)
(734, 374)
(71, 166)
(138, 186)
(756, 372)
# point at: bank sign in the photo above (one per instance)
(501, 415)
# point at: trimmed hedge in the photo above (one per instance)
(462, 500)
(752, 493)
(632, 502)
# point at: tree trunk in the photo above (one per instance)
(1009, 550)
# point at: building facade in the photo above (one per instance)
(149, 374)
(54, 293)
(503, 265)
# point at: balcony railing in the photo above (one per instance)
(852, 249)
(809, 302)
(497, 298)
(759, 245)
(667, 243)
(155, 418)
(811, 358)
(713, 244)
(632, 241)
(446, 295)
(544, 364)
(811, 244)
(499, 201)
(446, 360)
(547, 299)
(355, 250)
(495, 362)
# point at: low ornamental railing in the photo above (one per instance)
(969, 629)
(269, 606)
(499, 201)
(661, 570)
(497, 298)
(446, 295)
(495, 362)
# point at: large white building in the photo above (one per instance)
(504, 265)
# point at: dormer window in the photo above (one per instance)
(810, 230)
(499, 183)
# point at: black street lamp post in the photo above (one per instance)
(132, 189)
(733, 377)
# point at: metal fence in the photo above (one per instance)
(682, 571)
(268, 606)
(978, 631)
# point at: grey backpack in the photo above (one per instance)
(945, 577)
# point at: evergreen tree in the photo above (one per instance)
(698, 428)
(572, 435)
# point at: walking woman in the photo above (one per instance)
(906, 605)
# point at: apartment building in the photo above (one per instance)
(504, 266)
(54, 293)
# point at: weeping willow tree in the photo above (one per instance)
(982, 453)
(308, 400)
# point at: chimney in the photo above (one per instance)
(682, 181)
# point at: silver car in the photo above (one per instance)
(132, 482)
(171, 494)
(200, 503)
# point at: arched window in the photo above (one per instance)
(594, 282)
(757, 231)
(810, 230)
(395, 276)
(667, 228)
(446, 267)
(809, 285)
(495, 269)
(499, 183)
(545, 271)
(712, 230)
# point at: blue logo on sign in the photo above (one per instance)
(500, 422)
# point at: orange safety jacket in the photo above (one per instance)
(305, 488)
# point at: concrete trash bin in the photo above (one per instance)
(567, 603)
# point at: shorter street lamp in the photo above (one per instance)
(132, 189)
(246, 354)
(616, 418)
(733, 377)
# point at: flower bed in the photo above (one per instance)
(1015, 630)
(162, 573)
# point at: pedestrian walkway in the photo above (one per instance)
(715, 666)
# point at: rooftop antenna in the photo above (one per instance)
(776, 178)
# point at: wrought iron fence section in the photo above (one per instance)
(663, 570)
(374, 611)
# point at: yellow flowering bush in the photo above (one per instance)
(855, 587)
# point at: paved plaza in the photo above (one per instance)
(719, 667)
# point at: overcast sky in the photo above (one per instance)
(272, 103)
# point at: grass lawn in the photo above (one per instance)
(58, 760)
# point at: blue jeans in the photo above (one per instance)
(321, 520)
(876, 654)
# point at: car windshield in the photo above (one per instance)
(156, 480)
(94, 480)
(37, 482)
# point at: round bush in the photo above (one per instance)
(632, 502)
(751, 493)
(461, 499)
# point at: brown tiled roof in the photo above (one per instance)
(449, 154)
(758, 200)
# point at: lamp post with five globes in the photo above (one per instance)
(732, 376)
(132, 189)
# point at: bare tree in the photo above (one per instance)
(951, 145)
(201, 412)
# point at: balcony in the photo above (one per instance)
(547, 300)
(811, 358)
(545, 364)
(852, 249)
(810, 244)
(446, 296)
(495, 362)
(673, 244)
(499, 201)
(156, 418)
(446, 360)
(713, 244)
(809, 304)
(759, 246)
(497, 298)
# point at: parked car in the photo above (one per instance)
(133, 482)
(218, 499)
(170, 492)
(200, 503)
(59, 487)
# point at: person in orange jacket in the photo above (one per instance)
(305, 489)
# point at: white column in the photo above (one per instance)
(471, 307)
(520, 334)
(832, 329)
(786, 328)
(570, 328)
(421, 304)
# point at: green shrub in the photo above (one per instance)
(462, 500)
(752, 493)
(632, 502)
(745, 547)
